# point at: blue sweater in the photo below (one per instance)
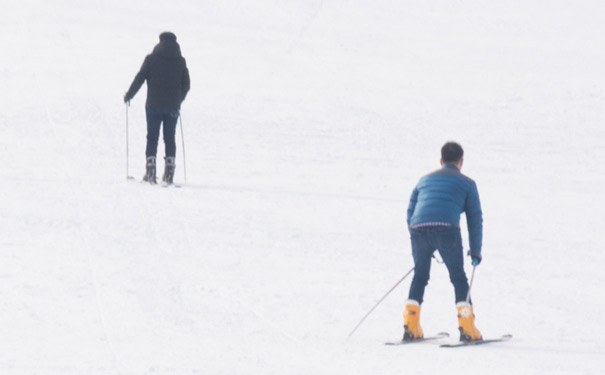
(442, 196)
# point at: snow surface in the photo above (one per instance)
(307, 126)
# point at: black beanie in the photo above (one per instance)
(167, 35)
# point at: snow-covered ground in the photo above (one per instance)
(307, 126)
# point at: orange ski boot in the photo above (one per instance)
(411, 321)
(466, 323)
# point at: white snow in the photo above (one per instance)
(307, 126)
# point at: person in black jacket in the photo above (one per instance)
(167, 76)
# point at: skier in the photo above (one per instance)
(167, 76)
(433, 219)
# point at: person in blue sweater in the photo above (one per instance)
(433, 219)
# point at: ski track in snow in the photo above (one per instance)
(307, 126)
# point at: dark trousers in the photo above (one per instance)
(155, 118)
(446, 239)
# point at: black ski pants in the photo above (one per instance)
(155, 118)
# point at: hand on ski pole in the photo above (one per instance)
(475, 258)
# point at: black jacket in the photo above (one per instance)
(167, 76)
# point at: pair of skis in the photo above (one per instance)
(161, 184)
(443, 335)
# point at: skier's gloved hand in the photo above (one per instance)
(475, 258)
(127, 99)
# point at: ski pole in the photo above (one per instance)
(378, 303)
(128, 177)
(470, 285)
(183, 141)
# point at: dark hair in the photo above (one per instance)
(451, 152)
(167, 35)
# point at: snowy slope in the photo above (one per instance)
(307, 126)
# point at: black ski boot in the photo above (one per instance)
(169, 170)
(150, 170)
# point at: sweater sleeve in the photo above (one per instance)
(185, 83)
(412, 206)
(139, 79)
(474, 220)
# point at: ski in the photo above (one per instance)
(165, 185)
(477, 342)
(438, 336)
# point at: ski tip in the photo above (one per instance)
(393, 343)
